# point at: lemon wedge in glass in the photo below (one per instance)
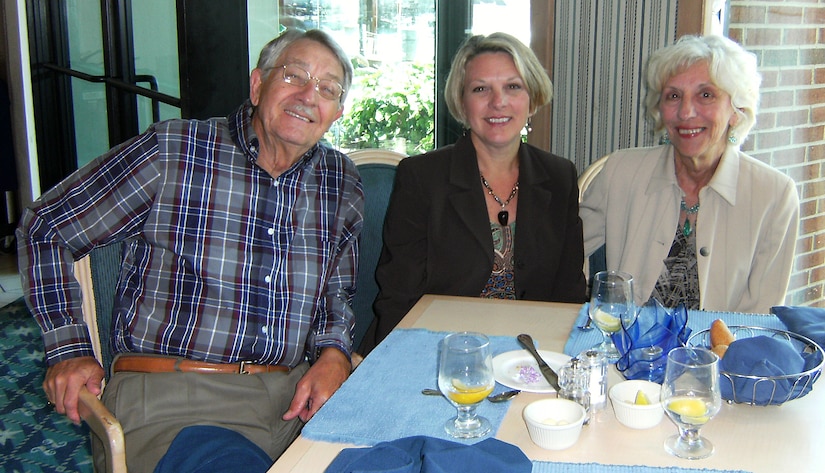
(607, 322)
(692, 410)
(464, 394)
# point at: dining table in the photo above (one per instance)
(787, 437)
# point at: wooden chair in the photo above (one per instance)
(377, 169)
(101, 421)
(590, 173)
(596, 261)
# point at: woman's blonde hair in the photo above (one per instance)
(731, 68)
(538, 84)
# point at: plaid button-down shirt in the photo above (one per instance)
(222, 262)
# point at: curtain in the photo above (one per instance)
(598, 74)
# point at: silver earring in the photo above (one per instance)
(529, 125)
(732, 139)
(664, 139)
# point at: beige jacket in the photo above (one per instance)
(745, 234)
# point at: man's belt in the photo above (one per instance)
(168, 364)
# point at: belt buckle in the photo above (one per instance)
(242, 367)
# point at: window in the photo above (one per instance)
(393, 101)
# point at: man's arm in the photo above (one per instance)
(105, 201)
(332, 325)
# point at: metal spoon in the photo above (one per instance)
(500, 397)
(503, 396)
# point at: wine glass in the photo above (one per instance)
(465, 377)
(691, 397)
(611, 306)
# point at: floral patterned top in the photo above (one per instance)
(501, 284)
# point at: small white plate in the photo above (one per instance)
(518, 370)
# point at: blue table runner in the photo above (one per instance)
(382, 401)
(384, 397)
(552, 467)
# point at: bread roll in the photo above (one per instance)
(719, 350)
(720, 334)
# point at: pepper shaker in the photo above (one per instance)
(573, 382)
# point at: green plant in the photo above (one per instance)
(390, 102)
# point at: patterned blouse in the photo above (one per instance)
(679, 281)
(501, 284)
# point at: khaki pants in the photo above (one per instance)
(153, 408)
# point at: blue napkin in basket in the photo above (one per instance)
(431, 455)
(806, 321)
(760, 356)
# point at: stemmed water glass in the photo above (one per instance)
(691, 397)
(611, 307)
(465, 377)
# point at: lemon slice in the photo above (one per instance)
(692, 410)
(464, 394)
(607, 322)
(641, 398)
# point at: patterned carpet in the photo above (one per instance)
(33, 438)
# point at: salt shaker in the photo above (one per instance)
(595, 365)
(573, 382)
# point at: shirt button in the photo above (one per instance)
(275, 183)
(268, 279)
(264, 330)
(270, 231)
(704, 251)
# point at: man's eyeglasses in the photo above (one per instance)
(326, 88)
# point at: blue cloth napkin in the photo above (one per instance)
(430, 455)
(760, 356)
(806, 321)
(212, 449)
(384, 397)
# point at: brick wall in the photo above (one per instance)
(789, 39)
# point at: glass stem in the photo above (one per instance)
(689, 436)
(466, 417)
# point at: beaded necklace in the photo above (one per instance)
(692, 210)
(503, 215)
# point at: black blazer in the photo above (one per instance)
(437, 237)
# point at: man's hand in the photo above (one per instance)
(318, 384)
(64, 380)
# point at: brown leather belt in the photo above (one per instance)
(167, 364)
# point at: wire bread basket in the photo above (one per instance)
(768, 390)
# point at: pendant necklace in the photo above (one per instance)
(692, 210)
(503, 215)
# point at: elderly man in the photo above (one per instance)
(240, 257)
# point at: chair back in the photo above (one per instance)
(597, 261)
(105, 263)
(377, 169)
(97, 274)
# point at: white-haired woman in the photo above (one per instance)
(695, 220)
